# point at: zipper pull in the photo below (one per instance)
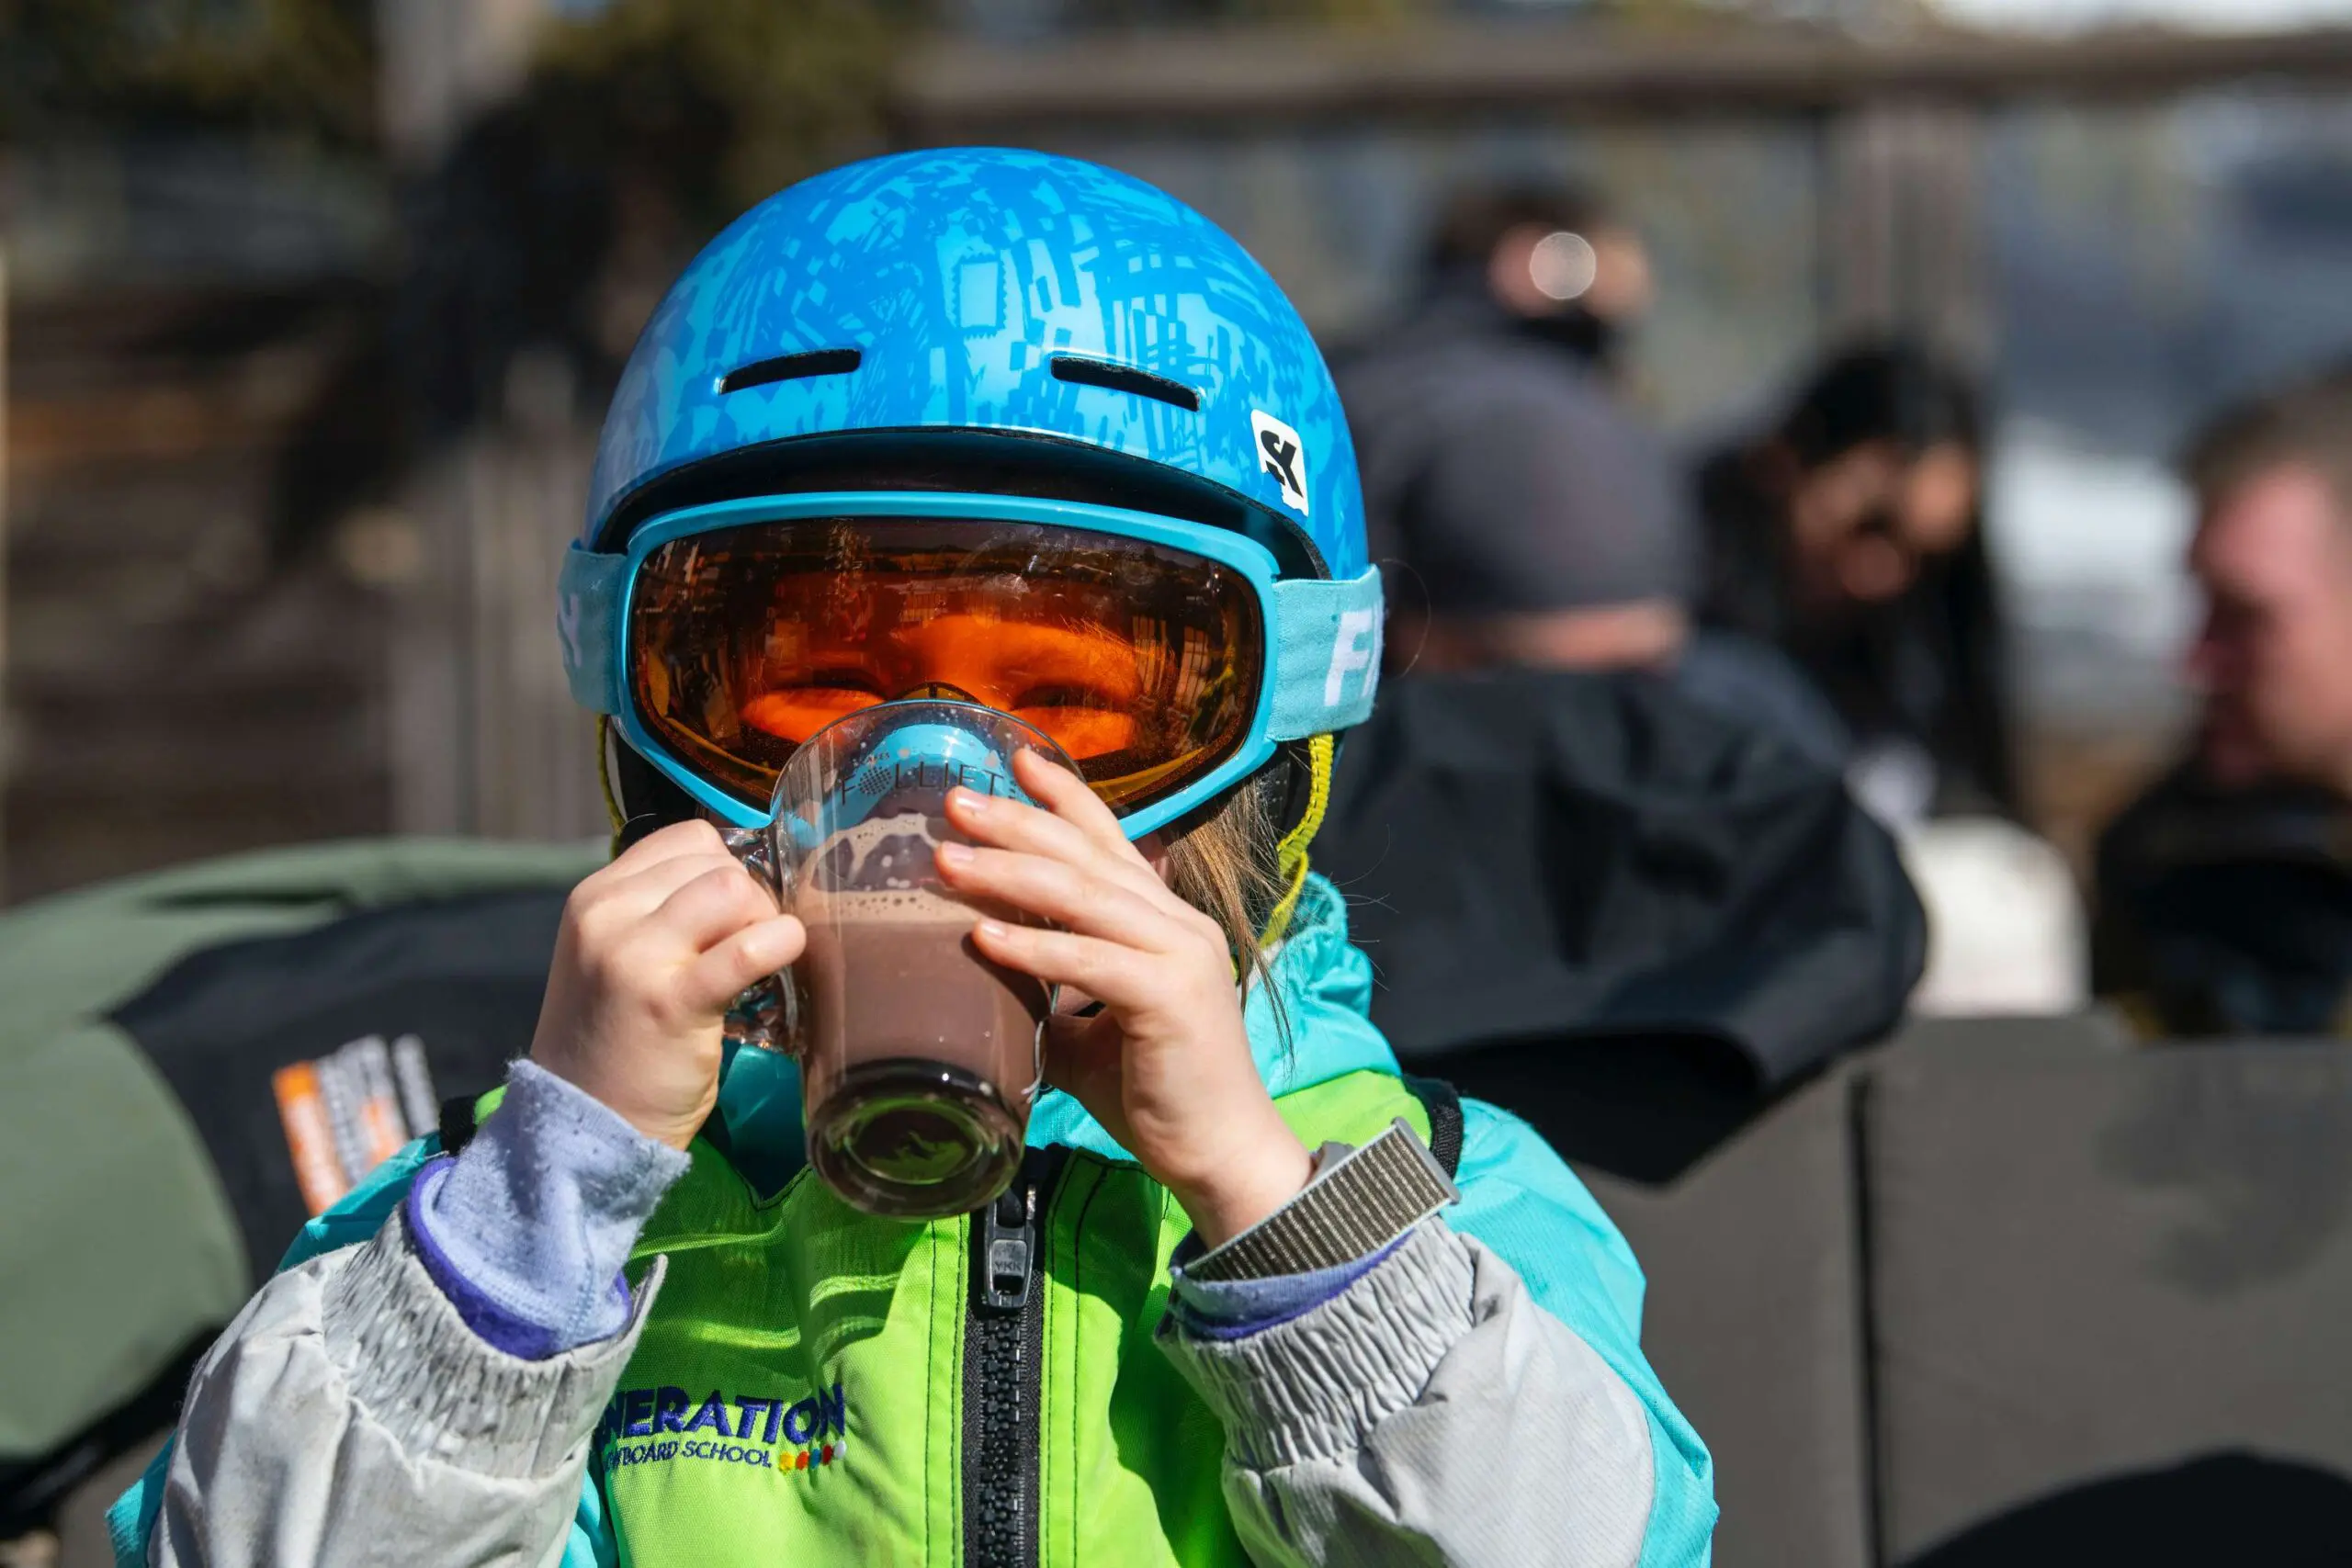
(1008, 1246)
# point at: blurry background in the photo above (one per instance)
(311, 306)
(310, 309)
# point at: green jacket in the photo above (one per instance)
(813, 1385)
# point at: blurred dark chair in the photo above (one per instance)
(1962, 1297)
(1644, 1108)
(2085, 1263)
(2225, 1508)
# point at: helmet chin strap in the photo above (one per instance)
(638, 799)
(1290, 855)
(613, 813)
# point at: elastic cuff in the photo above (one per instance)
(620, 1173)
(490, 1318)
(1354, 1207)
(1317, 1384)
(1228, 1309)
(440, 1390)
(528, 1230)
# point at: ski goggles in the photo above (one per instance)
(1166, 657)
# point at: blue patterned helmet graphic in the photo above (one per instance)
(959, 277)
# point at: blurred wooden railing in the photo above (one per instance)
(1237, 80)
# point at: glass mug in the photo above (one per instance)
(919, 1059)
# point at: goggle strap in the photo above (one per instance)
(588, 599)
(1290, 855)
(1327, 654)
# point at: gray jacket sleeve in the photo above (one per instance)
(349, 1416)
(1432, 1413)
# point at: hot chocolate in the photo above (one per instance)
(920, 1057)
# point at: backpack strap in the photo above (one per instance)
(462, 1118)
(1444, 1107)
(459, 1123)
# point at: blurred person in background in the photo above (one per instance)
(1848, 535)
(1495, 384)
(2225, 891)
(1521, 514)
(1682, 912)
(1573, 817)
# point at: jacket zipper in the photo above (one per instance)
(1004, 1343)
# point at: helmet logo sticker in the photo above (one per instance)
(1280, 451)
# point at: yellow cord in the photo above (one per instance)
(605, 779)
(1290, 855)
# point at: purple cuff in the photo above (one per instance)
(526, 1231)
(499, 1327)
(1235, 1309)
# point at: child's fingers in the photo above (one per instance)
(1070, 896)
(651, 868)
(1080, 1059)
(715, 906)
(1067, 796)
(715, 978)
(679, 840)
(636, 896)
(1119, 975)
(1015, 824)
(600, 913)
(648, 884)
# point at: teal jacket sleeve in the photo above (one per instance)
(130, 1521)
(1521, 1199)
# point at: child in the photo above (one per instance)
(1028, 433)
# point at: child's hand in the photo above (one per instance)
(1165, 1067)
(653, 949)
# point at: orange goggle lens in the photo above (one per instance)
(1142, 661)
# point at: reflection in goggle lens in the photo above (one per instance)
(1143, 662)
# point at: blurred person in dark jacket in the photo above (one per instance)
(2225, 892)
(1504, 483)
(1574, 823)
(1848, 535)
(1493, 391)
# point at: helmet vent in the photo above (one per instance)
(791, 367)
(1125, 379)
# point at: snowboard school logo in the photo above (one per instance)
(668, 1425)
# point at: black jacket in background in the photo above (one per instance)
(2227, 911)
(1560, 855)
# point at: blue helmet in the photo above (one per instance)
(990, 289)
(991, 320)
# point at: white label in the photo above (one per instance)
(1351, 650)
(1281, 454)
(568, 617)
